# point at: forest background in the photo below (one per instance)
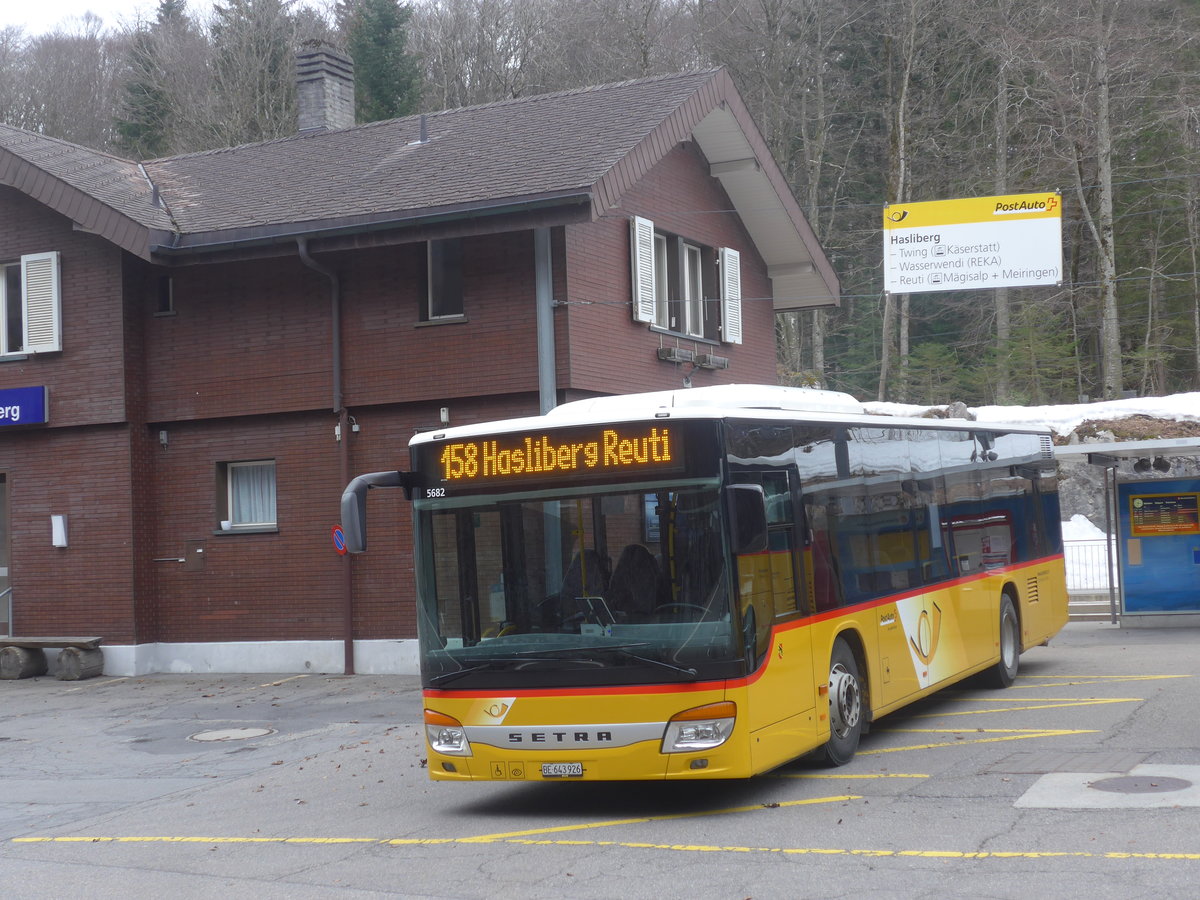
(863, 102)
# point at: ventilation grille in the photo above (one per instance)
(1047, 447)
(1031, 590)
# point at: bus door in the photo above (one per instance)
(773, 605)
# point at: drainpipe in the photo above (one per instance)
(543, 295)
(543, 287)
(343, 436)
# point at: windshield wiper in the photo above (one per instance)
(550, 653)
(518, 661)
(622, 649)
(479, 667)
(541, 651)
(688, 671)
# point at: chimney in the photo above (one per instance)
(324, 88)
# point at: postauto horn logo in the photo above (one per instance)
(1022, 206)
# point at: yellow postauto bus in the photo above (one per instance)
(708, 583)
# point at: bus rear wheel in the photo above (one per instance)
(1004, 672)
(845, 706)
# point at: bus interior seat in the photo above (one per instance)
(635, 582)
(585, 565)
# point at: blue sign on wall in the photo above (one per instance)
(24, 406)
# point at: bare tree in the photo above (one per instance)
(81, 63)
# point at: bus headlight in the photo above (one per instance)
(446, 734)
(701, 728)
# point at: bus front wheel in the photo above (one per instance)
(845, 706)
(1004, 672)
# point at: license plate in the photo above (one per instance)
(562, 770)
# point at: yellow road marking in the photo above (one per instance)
(1077, 680)
(1090, 678)
(477, 839)
(1047, 700)
(1010, 734)
(486, 838)
(823, 777)
(831, 851)
(641, 845)
(1042, 704)
(282, 681)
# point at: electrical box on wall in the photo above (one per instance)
(193, 556)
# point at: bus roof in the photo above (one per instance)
(727, 401)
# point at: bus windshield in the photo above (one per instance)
(579, 589)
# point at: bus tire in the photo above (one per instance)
(1004, 672)
(845, 706)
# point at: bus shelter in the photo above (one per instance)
(1152, 506)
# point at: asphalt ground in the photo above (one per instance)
(1081, 780)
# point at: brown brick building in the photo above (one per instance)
(198, 352)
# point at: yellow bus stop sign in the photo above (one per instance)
(1012, 240)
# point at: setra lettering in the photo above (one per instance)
(559, 737)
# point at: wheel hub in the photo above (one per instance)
(845, 701)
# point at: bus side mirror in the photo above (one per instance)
(747, 505)
(354, 505)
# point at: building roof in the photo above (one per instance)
(583, 147)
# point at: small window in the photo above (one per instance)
(445, 297)
(248, 498)
(30, 305)
(693, 291)
(662, 315)
(14, 313)
(165, 297)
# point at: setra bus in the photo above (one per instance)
(708, 583)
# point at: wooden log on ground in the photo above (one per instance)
(21, 662)
(75, 663)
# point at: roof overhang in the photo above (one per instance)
(801, 275)
(86, 213)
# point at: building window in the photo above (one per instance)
(14, 312)
(165, 296)
(30, 305)
(662, 314)
(692, 293)
(248, 495)
(445, 294)
(676, 284)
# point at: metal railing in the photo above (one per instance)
(1093, 578)
(1088, 565)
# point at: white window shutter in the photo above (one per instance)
(43, 320)
(731, 295)
(642, 243)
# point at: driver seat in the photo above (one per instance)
(633, 589)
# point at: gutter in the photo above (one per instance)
(172, 244)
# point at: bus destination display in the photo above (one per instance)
(616, 449)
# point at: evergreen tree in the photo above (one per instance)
(386, 76)
(142, 124)
(933, 375)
